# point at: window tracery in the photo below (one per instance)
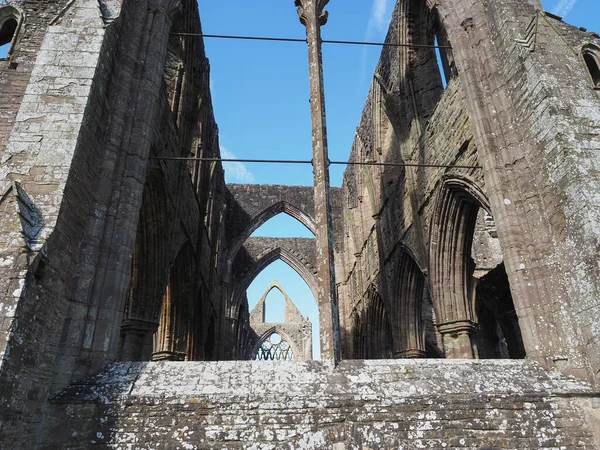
(10, 21)
(275, 348)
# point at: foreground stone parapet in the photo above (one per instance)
(314, 405)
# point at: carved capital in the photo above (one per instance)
(312, 8)
(412, 353)
(457, 327)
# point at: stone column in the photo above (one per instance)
(136, 336)
(313, 17)
(457, 339)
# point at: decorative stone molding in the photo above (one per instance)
(306, 6)
(456, 328)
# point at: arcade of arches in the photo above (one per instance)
(117, 248)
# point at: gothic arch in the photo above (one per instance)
(306, 272)
(591, 56)
(267, 334)
(376, 331)
(409, 290)
(275, 286)
(457, 205)
(451, 265)
(11, 20)
(264, 216)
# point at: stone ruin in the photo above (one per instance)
(275, 341)
(468, 287)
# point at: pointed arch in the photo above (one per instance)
(591, 57)
(270, 332)
(409, 290)
(11, 20)
(263, 217)
(291, 311)
(378, 326)
(457, 205)
(307, 273)
(452, 230)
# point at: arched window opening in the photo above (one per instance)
(274, 307)
(275, 348)
(430, 68)
(443, 52)
(283, 225)
(9, 26)
(280, 220)
(174, 70)
(593, 65)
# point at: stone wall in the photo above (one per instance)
(312, 405)
(519, 103)
(83, 197)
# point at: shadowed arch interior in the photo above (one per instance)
(409, 330)
(10, 23)
(372, 330)
(174, 336)
(475, 312)
(149, 275)
(453, 224)
(591, 56)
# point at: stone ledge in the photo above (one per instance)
(391, 379)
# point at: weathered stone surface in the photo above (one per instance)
(110, 252)
(528, 115)
(312, 405)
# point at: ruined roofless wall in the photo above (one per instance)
(86, 193)
(529, 116)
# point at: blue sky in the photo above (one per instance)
(260, 95)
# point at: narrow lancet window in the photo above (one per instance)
(443, 52)
(593, 67)
(8, 29)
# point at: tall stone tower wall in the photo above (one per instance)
(521, 104)
(95, 231)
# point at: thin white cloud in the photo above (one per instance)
(564, 7)
(378, 25)
(379, 14)
(235, 172)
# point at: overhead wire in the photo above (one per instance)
(324, 41)
(304, 161)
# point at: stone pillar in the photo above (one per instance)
(167, 341)
(457, 339)
(136, 338)
(313, 17)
